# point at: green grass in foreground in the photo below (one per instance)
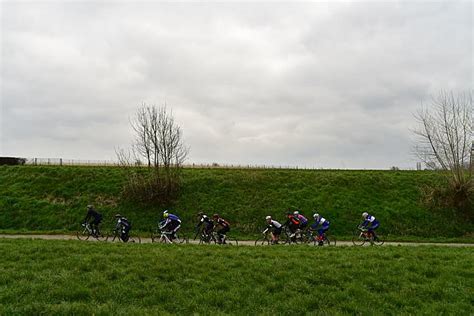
(64, 277)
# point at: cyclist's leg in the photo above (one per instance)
(276, 235)
(125, 232)
(224, 234)
(373, 228)
(95, 227)
(175, 229)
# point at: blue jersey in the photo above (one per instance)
(302, 219)
(322, 221)
(370, 220)
(170, 218)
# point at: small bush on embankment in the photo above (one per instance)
(74, 278)
(54, 198)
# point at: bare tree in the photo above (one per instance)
(159, 141)
(141, 125)
(445, 139)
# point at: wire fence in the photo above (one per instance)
(112, 163)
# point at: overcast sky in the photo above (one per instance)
(309, 84)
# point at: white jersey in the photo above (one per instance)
(275, 224)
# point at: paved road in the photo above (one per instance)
(243, 243)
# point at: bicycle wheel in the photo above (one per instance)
(286, 239)
(155, 236)
(180, 239)
(207, 240)
(358, 239)
(262, 241)
(330, 241)
(231, 242)
(134, 239)
(379, 240)
(112, 237)
(101, 237)
(83, 235)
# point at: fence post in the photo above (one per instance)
(60, 161)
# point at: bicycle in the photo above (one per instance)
(213, 238)
(87, 231)
(298, 237)
(264, 239)
(363, 235)
(115, 236)
(321, 240)
(163, 236)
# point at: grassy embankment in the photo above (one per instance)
(54, 198)
(72, 277)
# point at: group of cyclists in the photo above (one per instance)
(295, 222)
(170, 224)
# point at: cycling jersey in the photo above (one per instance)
(322, 221)
(302, 219)
(293, 220)
(91, 213)
(223, 222)
(122, 222)
(370, 222)
(205, 219)
(171, 218)
(276, 226)
(208, 224)
(324, 225)
(124, 226)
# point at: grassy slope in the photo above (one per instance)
(54, 198)
(59, 277)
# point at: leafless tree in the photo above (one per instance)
(158, 139)
(159, 142)
(141, 125)
(446, 138)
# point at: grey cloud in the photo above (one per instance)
(325, 85)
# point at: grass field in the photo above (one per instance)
(52, 198)
(68, 277)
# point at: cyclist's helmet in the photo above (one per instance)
(268, 217)
(365, 214)
(296, 213)
(316, 215)
(90, 206)
(200, 214)
(165, 214)
(215, 215)
(117, 215)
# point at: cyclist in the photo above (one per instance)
(276, 228)
(303, 220)
(370, 223)
(124, 226)
(223, 229)
(292, 222)
(96, 218)
(321, 222)
(171, 224)
(206, 221)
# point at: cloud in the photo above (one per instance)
(316, 84)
